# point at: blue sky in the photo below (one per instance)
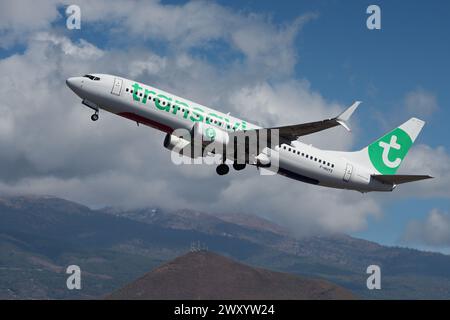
(224, 54)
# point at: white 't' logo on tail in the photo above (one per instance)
(386, 148)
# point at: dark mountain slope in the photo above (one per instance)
(41, 236)
(206, 275)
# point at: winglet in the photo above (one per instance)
(346, 114)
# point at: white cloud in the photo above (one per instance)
(421, 102)
(84, 50)
(20, 17)
(304, 209)
(151, 65)
(423, 159)
(290, 102)
(433, 231)
(202, 25)
(50, 146)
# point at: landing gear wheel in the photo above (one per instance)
(238, 166)
(222, 169)
(94, 117)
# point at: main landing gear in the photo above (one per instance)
(238, 166)
(223, 169)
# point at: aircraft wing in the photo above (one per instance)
(399, 178)
(292, 132)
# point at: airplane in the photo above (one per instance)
(371, 169)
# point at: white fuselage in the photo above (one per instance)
(167, 112)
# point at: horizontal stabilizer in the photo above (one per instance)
(399, 178)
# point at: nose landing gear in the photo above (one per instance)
(92, 106)
(94, 117)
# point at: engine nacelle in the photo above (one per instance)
(174, 143)
(262, 160)
(208, 133)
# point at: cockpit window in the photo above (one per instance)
(91, 77)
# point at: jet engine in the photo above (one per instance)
(174, 143)
(208, 133)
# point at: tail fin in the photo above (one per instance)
(387, 153)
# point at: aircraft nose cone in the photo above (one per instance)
(71, 83)
(76, 85)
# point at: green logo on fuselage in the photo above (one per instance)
(387, 153)
(194, 114)
(210, 133)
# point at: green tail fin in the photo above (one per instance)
(387, 153)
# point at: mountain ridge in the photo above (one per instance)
(39, 233)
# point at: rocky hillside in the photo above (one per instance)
(205, 275)
(41, 236)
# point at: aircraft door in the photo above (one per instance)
(117, 86)
(348, 172)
